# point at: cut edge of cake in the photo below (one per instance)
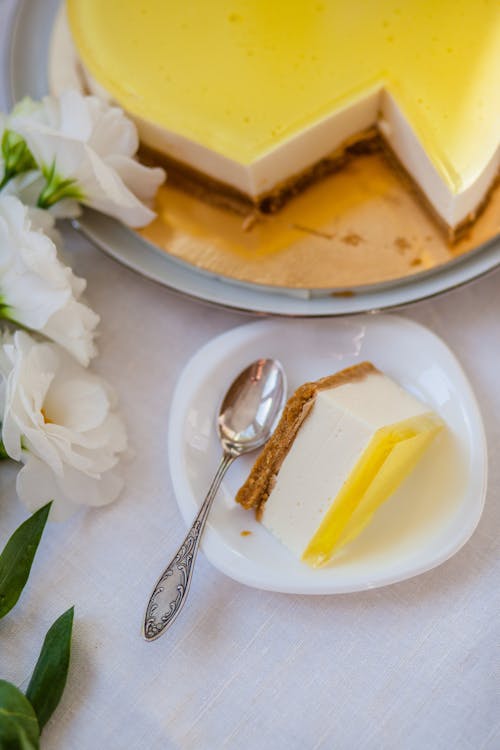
(261, 480)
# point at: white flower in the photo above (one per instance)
(60, 421)
(27, 187)
(85, 147)
(43, 221)
(36, 289)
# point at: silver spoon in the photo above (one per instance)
(246, 420)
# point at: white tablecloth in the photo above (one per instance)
(409, 667)
(413, 666)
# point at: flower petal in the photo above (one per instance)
(78, 404)
(86, 490)
(143, 181)
(73, 327)
(37, 485)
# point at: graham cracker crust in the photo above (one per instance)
(223, 195)
(452, 234)
(262, 478)
(369, 141)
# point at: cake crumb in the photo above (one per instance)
(245, 532)
(344, 293)
(352, 239)
(416, 262)
(402, 244)
(249, 222)
(315, 232)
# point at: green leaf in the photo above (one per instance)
(24, 741)
(49, 676)
(17, 558)
(19, 728)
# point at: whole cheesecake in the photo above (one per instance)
(258, 99)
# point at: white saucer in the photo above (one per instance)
(429, 518)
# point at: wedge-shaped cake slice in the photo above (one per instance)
(342, 447)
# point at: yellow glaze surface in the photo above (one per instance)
(242, 76)
(390, 456)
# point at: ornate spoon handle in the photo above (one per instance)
(170, 593)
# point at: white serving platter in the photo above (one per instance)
(25, 34)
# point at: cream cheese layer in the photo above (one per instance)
(253, 92)
(355, 448)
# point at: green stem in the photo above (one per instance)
(3, 452)
(7, 176)
(56, 189)
(43, 200)
(4, 312)
(16, 156)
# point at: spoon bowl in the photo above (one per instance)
(252, 406)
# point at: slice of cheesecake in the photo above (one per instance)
(342, 447)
